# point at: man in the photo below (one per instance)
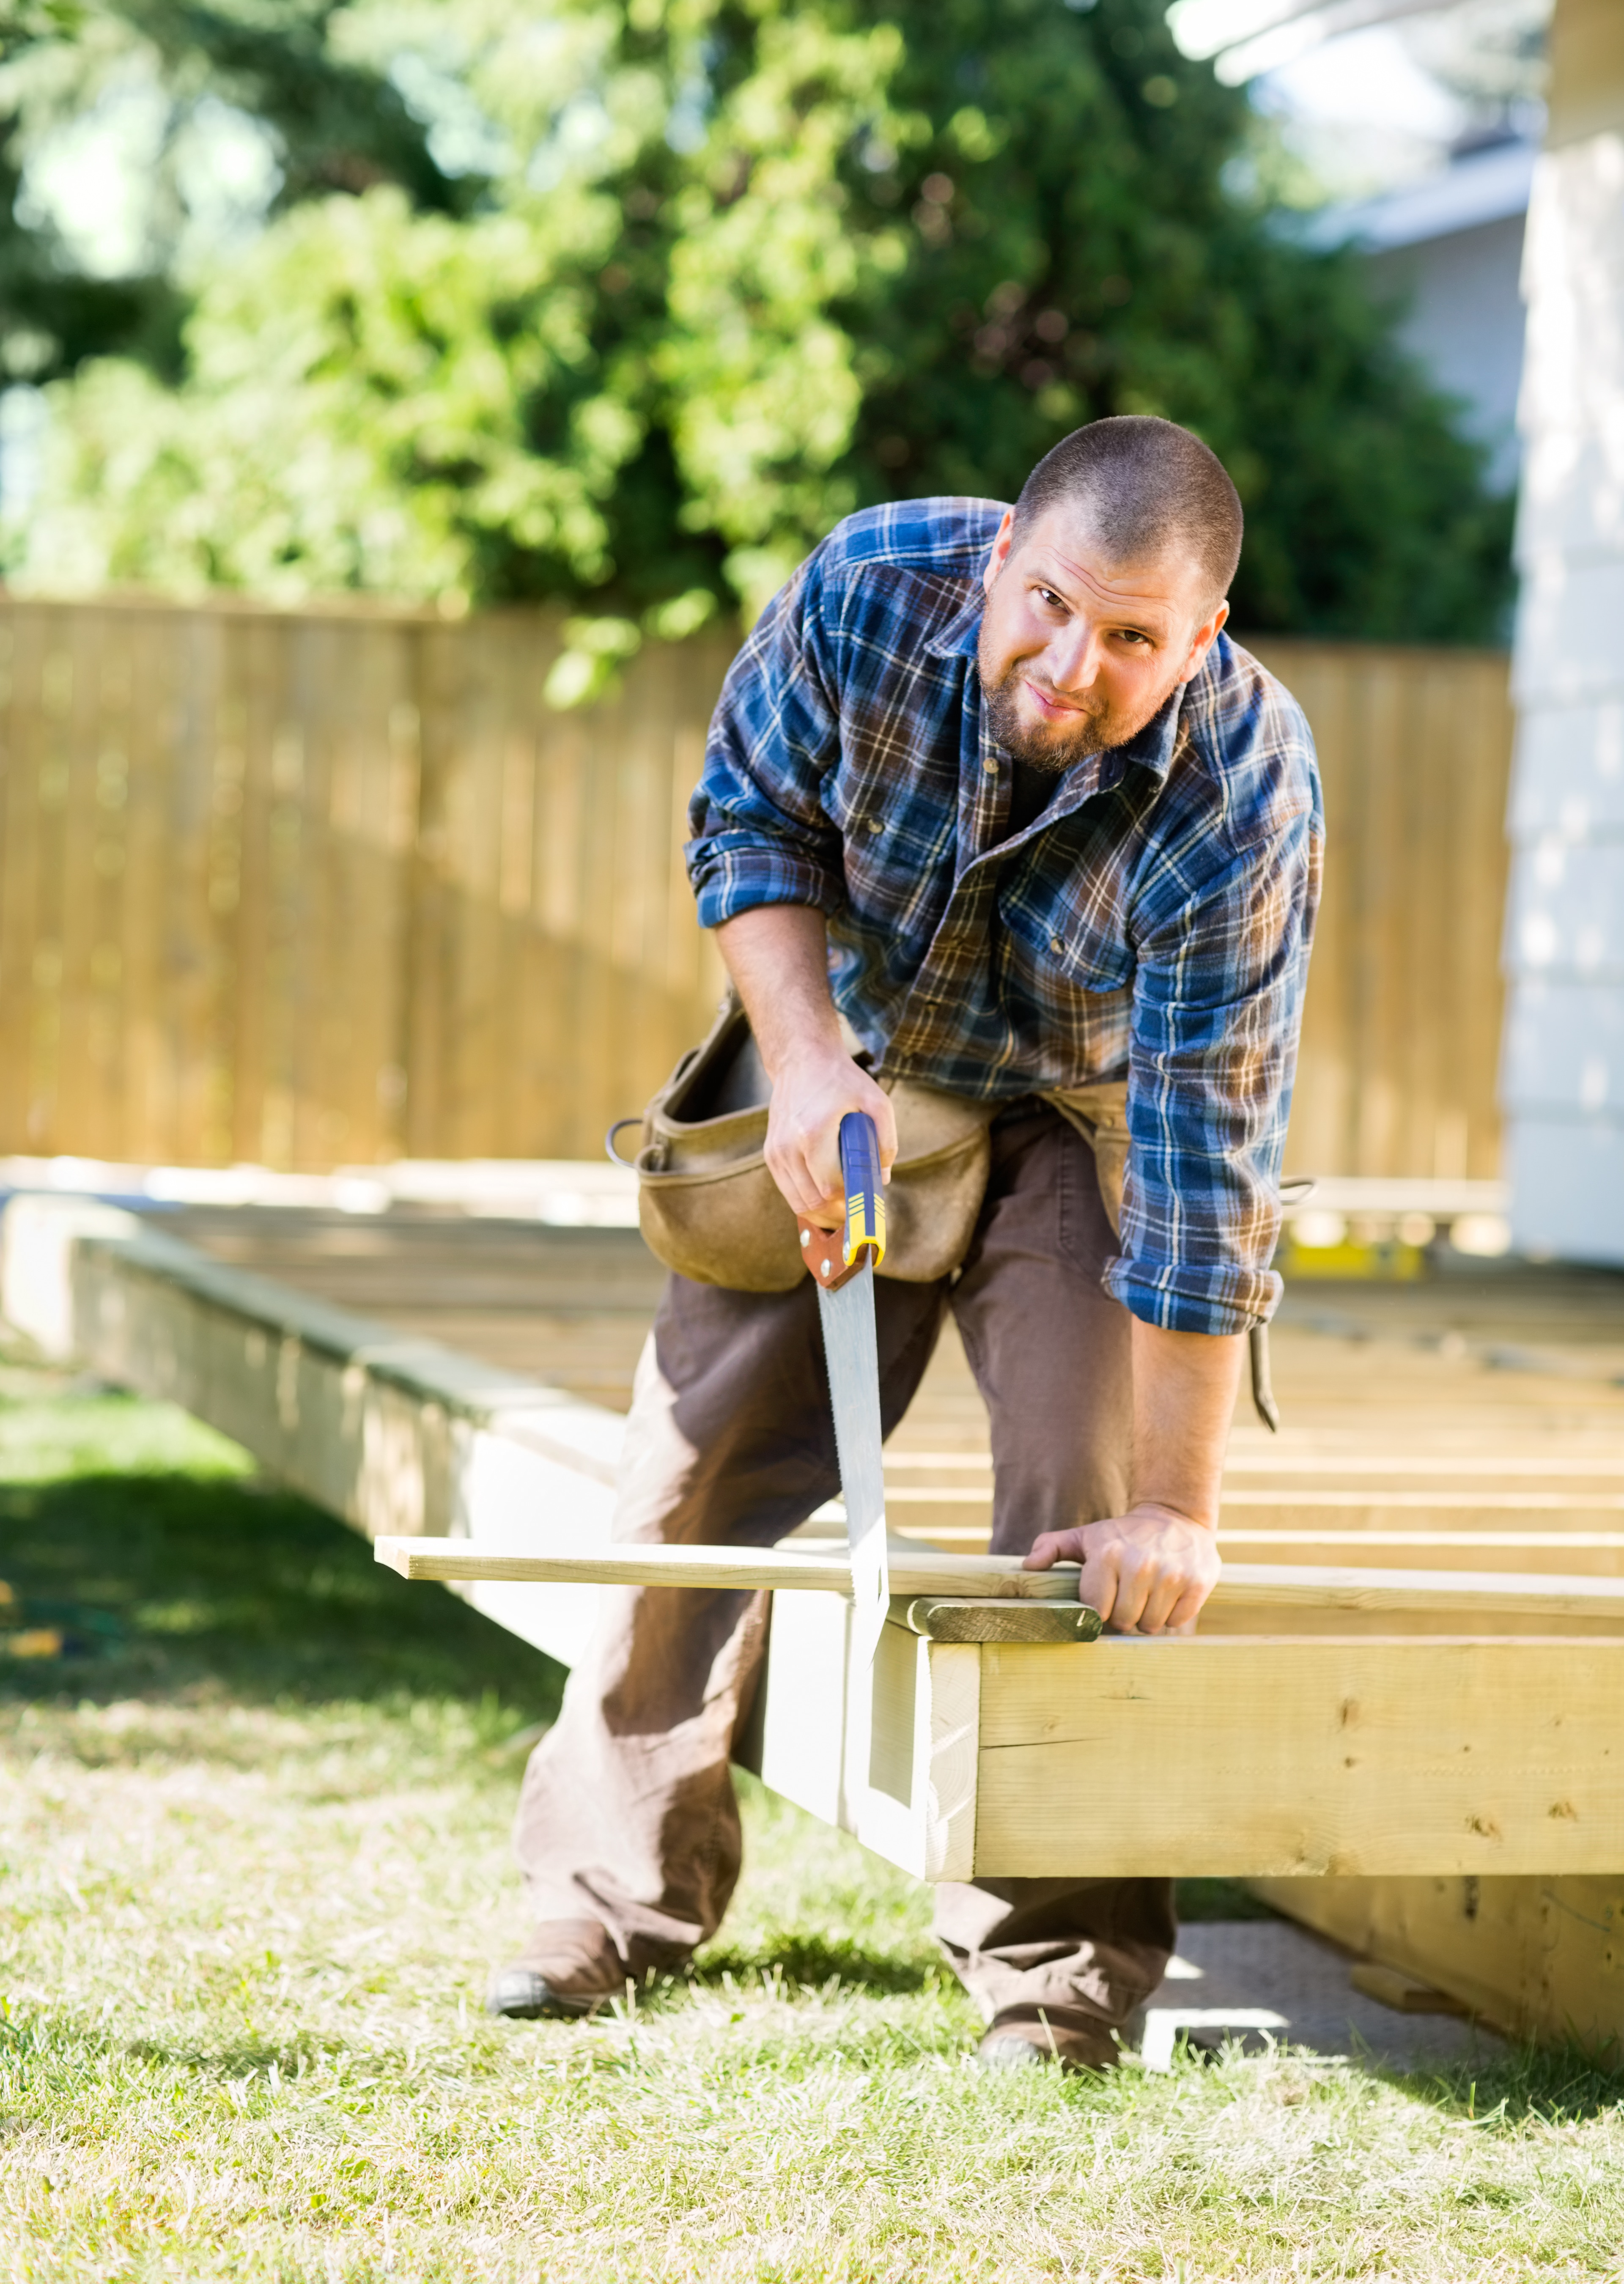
(994, 785)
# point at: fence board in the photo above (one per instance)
(28, 980)
(314, 889)
(1401, 1033)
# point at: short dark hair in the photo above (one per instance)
(1149, 489)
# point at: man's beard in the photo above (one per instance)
(1054, 752)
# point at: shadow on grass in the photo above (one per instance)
(1559, 2085)
(814, 1961)
(81, 2041)
(192, 1585)
(241, 2057)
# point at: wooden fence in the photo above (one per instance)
(321, 888)
(1400, 1038)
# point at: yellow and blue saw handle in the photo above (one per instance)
(865, 1195)
(833, 1255)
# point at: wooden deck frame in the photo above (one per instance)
(1327, 1744)
(1264, 1757)
(1462, 1788)
(393, 1434)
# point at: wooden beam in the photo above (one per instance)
(1278, 1589)
(1351, 1506)
(395, 1434)
(1273, 1758)
(889, 1752)
(1496, 1470)
(1598, 1553)
(1540, 1958)
(1594, 1553)
(750, 1569)
(1456, 1601)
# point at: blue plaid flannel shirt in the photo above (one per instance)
(1154, 923)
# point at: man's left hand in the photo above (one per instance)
(1145, 1572)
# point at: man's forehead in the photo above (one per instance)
(1066, 543)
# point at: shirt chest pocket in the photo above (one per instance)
(1057, 947)
(896, 852)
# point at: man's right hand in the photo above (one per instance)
(813, 1089)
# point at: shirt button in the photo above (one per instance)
(877, 824)
(1057, 943)
(991, 768)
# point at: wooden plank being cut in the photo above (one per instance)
(750, 1569)
(1452, 1601)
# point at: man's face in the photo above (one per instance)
(1077, 652)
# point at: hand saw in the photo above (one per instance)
(842, 1263)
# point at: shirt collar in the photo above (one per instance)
(1153, 748)
(963, 631)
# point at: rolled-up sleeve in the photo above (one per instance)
(760, 833)
(1212, 1057)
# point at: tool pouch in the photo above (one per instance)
(709, 1208)
(1099, 1113)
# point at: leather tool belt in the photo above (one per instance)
(709, 1209)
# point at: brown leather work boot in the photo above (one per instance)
(1063, 2037)
(568, 1967)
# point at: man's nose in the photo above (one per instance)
(1076, 656)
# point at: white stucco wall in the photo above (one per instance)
(1563, 1075)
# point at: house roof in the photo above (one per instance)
(1482, 187)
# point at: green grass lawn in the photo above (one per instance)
(253, 1867)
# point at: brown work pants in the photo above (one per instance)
(628, 1813)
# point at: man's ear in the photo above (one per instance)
(1000, 555)
(1202, 641)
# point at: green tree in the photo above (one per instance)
(624, 302)
(337, 124)
(1075, 252)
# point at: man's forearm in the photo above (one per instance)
(1184, 1387)
(779, 957)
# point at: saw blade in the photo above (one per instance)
(851, 1353)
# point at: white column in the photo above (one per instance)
(1563, 1074)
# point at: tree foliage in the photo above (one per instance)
(624, 302)
(338, 125)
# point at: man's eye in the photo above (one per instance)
(1048, 595)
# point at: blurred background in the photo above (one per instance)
(406, 403)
